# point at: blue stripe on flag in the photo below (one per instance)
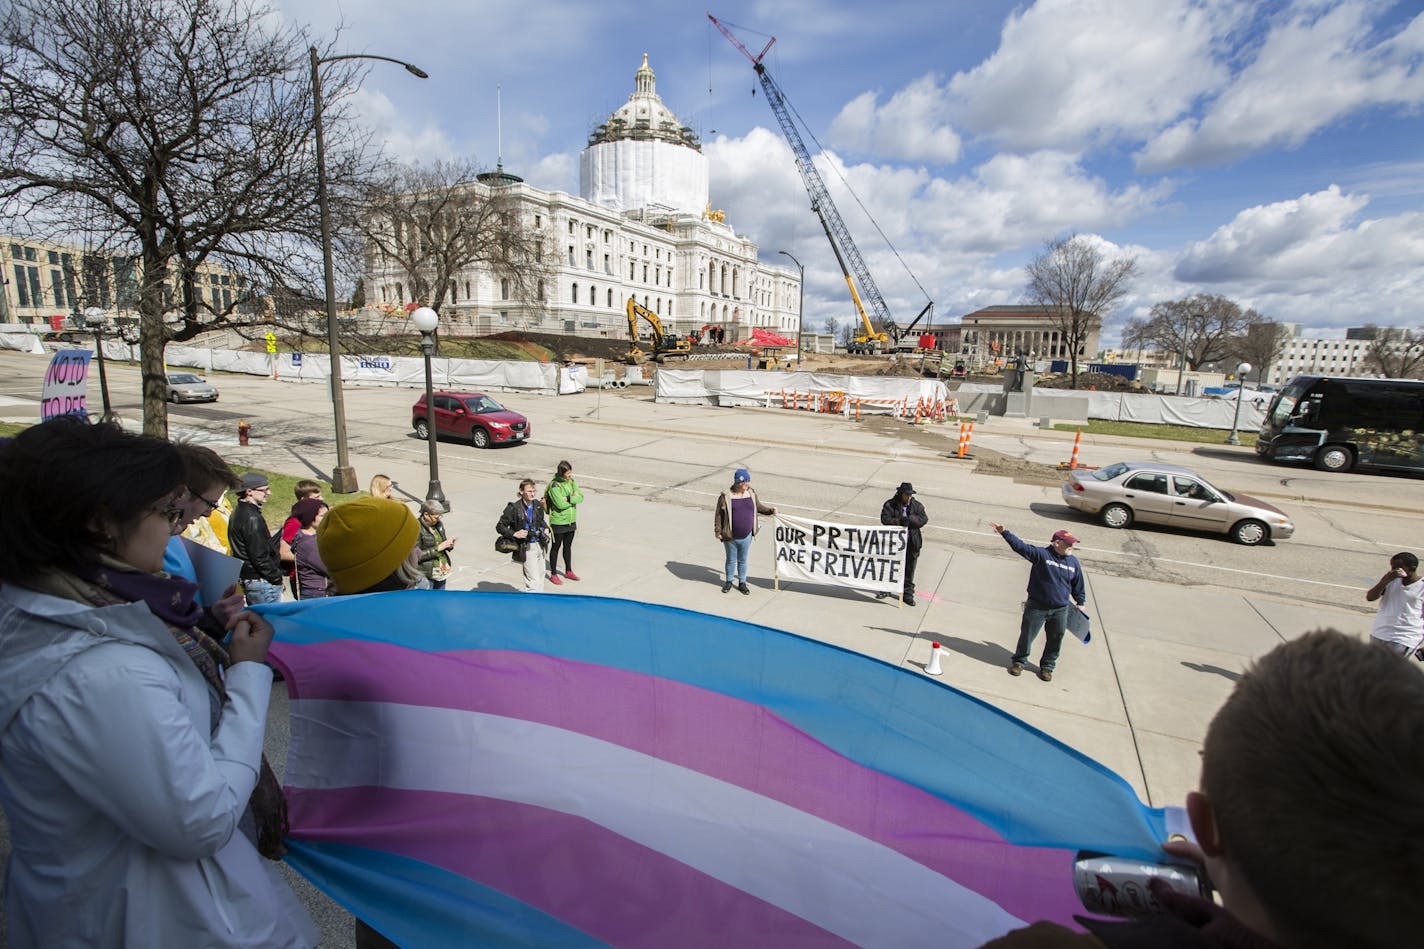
(1029, 787)
(398, 895)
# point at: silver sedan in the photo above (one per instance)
(187, 387)
(1178, 497)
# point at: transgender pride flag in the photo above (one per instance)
(505, 769)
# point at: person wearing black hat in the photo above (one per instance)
(904, 511)
(252, 542)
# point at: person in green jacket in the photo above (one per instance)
(562, 498)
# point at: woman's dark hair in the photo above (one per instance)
(563, 469)
(63, 480)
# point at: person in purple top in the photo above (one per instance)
(312, 578)
(735, 524)
(1055, 579)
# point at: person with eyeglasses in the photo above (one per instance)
(131, 769)
(252, 542)
(208, 478)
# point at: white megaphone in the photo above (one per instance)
(933, 668)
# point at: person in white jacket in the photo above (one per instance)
(130, 740)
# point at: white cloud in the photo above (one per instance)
(1071, 72)
(913, 124)
(1304, 238)
(557, 172)
(1314, 67)
(400, 137)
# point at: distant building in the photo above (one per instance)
(996, 332)
(42, 282)
(1324, 357)
(641, 226)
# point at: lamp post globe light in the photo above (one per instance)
(343, 476)
(1241, 371)
(800, 306)
(426, 320)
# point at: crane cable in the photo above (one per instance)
(859, 204)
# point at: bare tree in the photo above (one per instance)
(1395, 353)
(1073, 276)
(428, 226)
(181, 130)
(1204, 327)
(1261, 345)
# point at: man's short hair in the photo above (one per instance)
(1314, 768)
(306, 488)
(1406, 560)
(203, 467)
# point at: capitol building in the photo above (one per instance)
(641, 226)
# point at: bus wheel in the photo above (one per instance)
(1334, 458)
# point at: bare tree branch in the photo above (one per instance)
(1072, 276)
(183, 130)
(1395, 353)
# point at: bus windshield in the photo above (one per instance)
(1285, 404)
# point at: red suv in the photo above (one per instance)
(471, 415)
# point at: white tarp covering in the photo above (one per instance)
(404, 371)
(762, 387)
(1144, 407)
(22, 340)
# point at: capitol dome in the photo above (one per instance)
(643, 157)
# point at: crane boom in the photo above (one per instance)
(847, 254)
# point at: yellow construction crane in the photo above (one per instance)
(664, 344)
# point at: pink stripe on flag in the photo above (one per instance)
(723, 737)
(589, 877)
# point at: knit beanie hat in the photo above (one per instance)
(363, 541)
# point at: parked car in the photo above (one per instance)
(1178, 497)
(186, 387)
(471, 415)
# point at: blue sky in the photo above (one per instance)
(1271, 152)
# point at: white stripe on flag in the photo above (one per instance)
(839, 880)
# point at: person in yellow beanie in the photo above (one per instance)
(369, 546)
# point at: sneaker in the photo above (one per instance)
(554, 579)
(727, 586)
(570, 575)
(882, 595)
(746, 590)
(1015, 668)
(1046, 675)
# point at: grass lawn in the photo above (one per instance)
(1181, 433)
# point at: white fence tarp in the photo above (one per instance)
(403, 371)
(761, 386)
(1144, 407)
(23, 340)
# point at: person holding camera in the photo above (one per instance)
(1399, 623)
(523, 520)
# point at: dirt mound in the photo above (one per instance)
(1101, 381)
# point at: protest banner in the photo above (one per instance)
(862, 556)
(66, 385)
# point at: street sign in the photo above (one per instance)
(271, 342)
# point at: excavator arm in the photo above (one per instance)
(664, 343)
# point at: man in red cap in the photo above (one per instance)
(1055, 579)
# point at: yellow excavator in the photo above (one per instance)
(664, 344)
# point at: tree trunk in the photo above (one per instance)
(152, 342)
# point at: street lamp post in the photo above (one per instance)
(1241, 371)
(426, 320)
(800, 306)
(94, 320)
(343, 476)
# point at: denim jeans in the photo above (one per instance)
(1053, 621)
(260, 591)
(737, 551)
